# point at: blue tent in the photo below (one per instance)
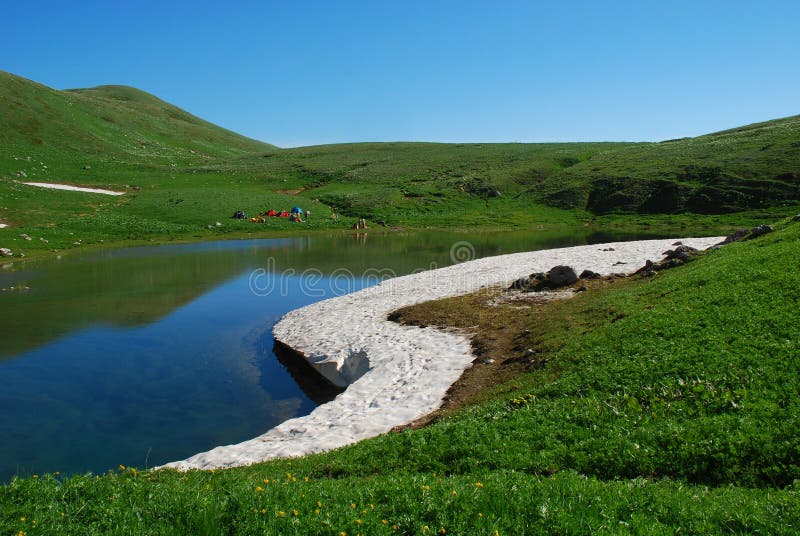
(297, 210)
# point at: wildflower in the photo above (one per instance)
(265, 481)
(442, 531)
(426, 488)
(454, 492)
(305, 479)
(425, 528)
(385, 522)
(281, 513)
(480, 514)
(263, 510)
(259, 489)
(22, 519)
(57, 473)
(295, 513)
(316, 511)
(319, 503)
(35, 476)
(478, 485)
(343, 533)
(353, 506)
(358, 521)
(289, 476)
(121, 467)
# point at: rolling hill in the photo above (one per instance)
(182, 174)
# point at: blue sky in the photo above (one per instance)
(305, 72)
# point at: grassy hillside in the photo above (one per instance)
(756, 166)
(675, 411)
(182, 175)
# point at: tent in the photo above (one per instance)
(297, 210)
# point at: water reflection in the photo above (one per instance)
(147, 355)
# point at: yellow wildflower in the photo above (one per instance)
(478, 485)
(265, 481)
(281, 513)
(319, 503)
(385, 522)
(358, 521)
(295, 512)
(353, 505)
(259, 489)
(22, 519)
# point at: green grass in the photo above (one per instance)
(675, 410)
(182, 174)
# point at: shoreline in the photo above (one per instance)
(397, 374)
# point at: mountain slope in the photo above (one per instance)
(114, 121)
(750, 167)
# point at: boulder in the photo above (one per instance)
(588, 274)
(562, 275)
(5, 252)
(755, 232)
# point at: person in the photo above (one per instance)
(362, 223)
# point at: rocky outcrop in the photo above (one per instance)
(747, 234)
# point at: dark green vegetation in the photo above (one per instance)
(676, 410)
(182, 175)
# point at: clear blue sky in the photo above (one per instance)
(301, 73)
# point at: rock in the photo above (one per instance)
(520, 284)
(681, 252)
(755, 232)
(562, 275)
(218, 224)
(744, 234)
(735, 236)
(87, 167)
(22, 174)
(608, 249)
(619, 262)
(678, 243)
(588, 274)
(530, 352)
(26, 237)
(5, 252)
(487, 361)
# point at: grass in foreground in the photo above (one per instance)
(662, 405)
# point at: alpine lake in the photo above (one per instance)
(147, 355)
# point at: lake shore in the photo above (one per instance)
(396, 374)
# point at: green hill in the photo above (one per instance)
(182, 174)
(751, 167)
(108, 122)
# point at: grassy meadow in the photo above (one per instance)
(183, 175)
(676, 410)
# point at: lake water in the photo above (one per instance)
(147, 355)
